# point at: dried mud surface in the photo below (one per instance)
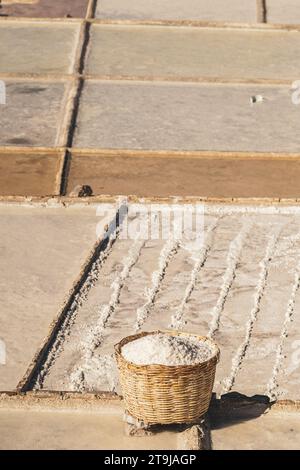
(148, 176)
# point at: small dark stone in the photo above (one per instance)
(81, 191)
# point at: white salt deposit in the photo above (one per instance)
(225, 285)
(167, 350)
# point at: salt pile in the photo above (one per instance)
(167, 350)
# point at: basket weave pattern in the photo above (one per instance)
(159, 394)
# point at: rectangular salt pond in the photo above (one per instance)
(186, 116)
(225, 288)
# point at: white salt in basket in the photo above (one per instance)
(164, 394)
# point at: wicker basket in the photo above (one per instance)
(159, 394)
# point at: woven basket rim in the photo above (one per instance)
(130, 338)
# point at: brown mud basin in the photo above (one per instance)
(45, 8)
(25, 174)
(148, 175)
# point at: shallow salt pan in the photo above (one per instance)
(42, 250)
(214, 10)
(227, 287)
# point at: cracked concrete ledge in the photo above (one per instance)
(65, 201)
(34, 76)
(108, 152)
(160, 22)
(140, 22)
(47, 77)
(22, 19)
(37, 400)
(236, 407)
(198, 24)
(189, 79)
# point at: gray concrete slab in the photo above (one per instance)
(272, 431)
(283, 11)
(215, 10)
(69, 430)
(187, 116)
(42, 250)
(155, 51)
(32, 114)
(27, 47)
